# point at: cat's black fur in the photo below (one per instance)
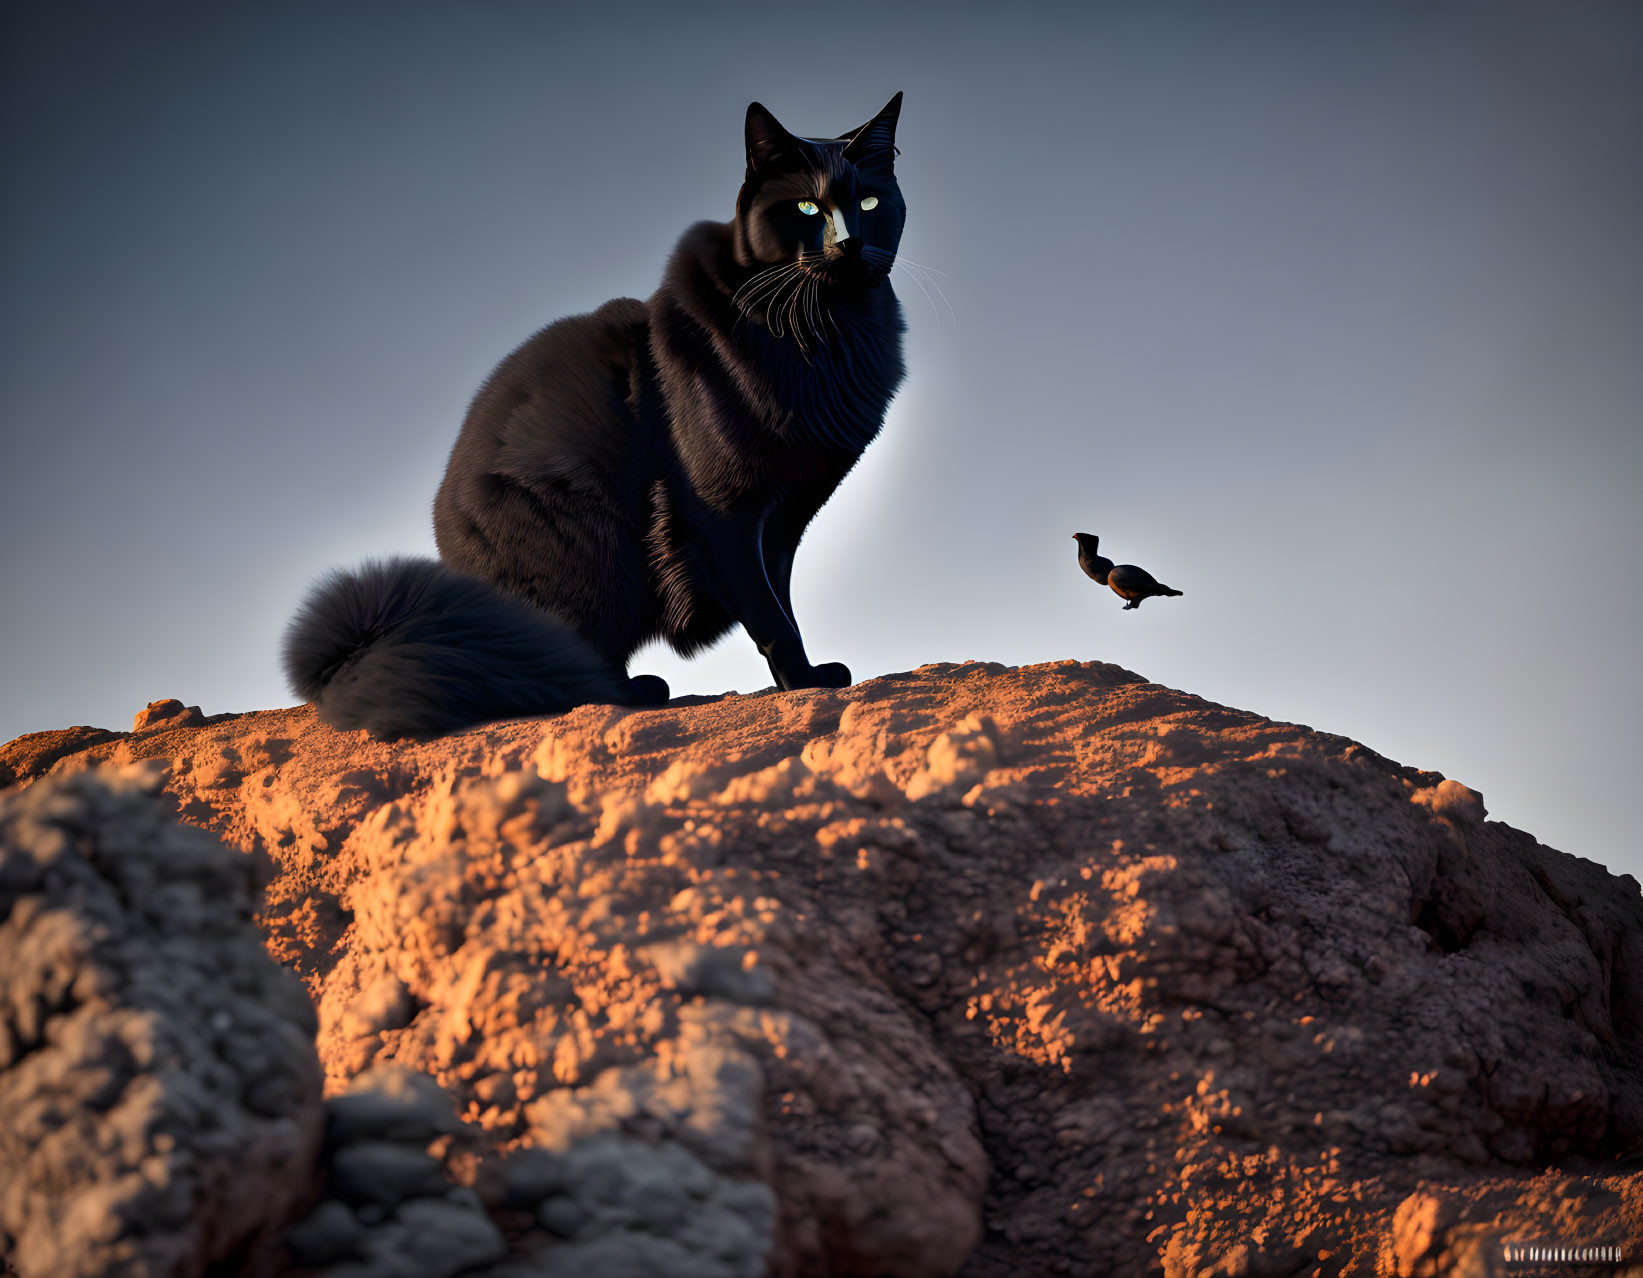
(643, 471)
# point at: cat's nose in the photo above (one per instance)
(841, 232)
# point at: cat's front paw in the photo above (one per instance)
(831, 674)
(647, 690)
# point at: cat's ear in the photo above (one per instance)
(768, 144)
(875, 141)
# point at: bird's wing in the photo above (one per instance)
(1129, 577)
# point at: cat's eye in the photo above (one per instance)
(808, 209)
(871, 202)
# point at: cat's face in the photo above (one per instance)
(829, 205)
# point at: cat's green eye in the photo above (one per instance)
(808, 209)
(871, 202)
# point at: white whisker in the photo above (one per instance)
(917, 273)
(920, 274)
(770, 278)
(909, 261)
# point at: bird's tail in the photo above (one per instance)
(1165, 590)
(407, 647)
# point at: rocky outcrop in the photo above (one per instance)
(969, 970)
(159, 1092)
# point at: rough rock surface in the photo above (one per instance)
(969, 970)
(159, 1092)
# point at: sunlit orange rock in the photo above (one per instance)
(969, 970)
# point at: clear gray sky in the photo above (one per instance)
(1330, 315)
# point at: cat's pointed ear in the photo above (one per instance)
(875, 140)
(767, 142)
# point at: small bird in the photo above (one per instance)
(1127, 581)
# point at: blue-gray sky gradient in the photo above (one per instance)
(1332, 316)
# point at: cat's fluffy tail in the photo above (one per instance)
(406, 647)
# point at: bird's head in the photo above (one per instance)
(1089, 559)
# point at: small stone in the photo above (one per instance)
(169, 712)
(861, 1138)
(385, 1004)
(530, 1176)
(445, 1238)
(724, 971)
(496, 1089)
(561, 1215)
(390, 1102)
(329, 1232)
(381, 1172)
(659, 1204)
(1451, 799)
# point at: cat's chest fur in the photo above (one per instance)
(834, 394)
(752, 412)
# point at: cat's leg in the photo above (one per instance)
(734, 550)
(780, 545)
(778, 567)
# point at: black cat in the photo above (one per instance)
(644, 471)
